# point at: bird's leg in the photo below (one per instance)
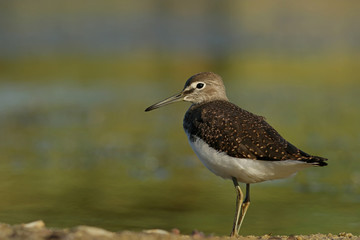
(244, 206)
(239, 199)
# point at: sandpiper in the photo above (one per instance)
(234, 143)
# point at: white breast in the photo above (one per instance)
(243, 169)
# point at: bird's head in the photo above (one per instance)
(201, 87)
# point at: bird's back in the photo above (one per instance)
(227, 128)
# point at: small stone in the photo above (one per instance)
(94, 231)
(175, 231)
(35, 224)
(155, 231)
(197, 234)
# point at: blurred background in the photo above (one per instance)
(77, 148)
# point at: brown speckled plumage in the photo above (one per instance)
(241, 134)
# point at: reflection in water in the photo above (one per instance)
(75, 155)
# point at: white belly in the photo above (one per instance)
(243, 169)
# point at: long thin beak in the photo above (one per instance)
(176, 98)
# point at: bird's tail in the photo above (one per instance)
(317, 161)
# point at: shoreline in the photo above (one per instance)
(37, 230)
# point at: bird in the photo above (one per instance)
(234, 143)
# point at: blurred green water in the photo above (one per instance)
(75, 153)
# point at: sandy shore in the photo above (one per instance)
(37, 231)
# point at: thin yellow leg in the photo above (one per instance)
(244, 207)
(238, 210)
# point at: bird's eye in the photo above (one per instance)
(200, 85)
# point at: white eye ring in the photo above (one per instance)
(198, 85)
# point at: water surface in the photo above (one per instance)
(74, 154)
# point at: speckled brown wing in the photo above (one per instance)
(241, 134)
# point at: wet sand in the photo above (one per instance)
(37, 230)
